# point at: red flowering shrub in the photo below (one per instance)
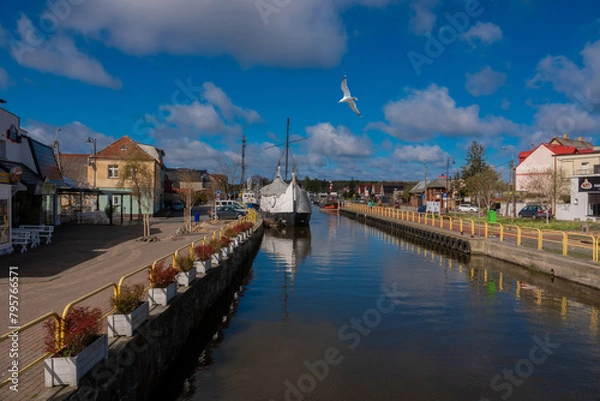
(161, 276)
(203, 252)
(238, 228)
(82, 327)
(247, 225)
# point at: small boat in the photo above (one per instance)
(330, 204)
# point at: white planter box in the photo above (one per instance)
(216, 258)
(125, 325)
(231, 247)
(186, 278)
(162, 296)
(69, 370)
(202, 266)
(224, 253)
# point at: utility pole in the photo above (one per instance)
(512, 187)
(513, 168)
(243, 161)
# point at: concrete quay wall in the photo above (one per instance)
(136, 364)
(565, 267)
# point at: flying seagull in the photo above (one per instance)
(348, 97)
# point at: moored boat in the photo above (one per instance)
(286, 204)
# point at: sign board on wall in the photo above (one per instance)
(587, 184)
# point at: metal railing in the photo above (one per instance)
(581, 246)
(59, 320)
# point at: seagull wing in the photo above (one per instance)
(345, 87)
(353, 107)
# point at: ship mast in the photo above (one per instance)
(287, 146)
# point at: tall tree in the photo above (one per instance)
(475, 161)
(482, 185)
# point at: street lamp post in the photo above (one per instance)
(93, 142)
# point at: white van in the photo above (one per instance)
(230, 203)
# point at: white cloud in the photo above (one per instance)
(557, 119)
(422, 19)
(216, 96)
(71, 138)
(505, 105)
(484, 82)
(482, 32)
(337, 142)
(198, 118)
(57, 54)
(419, 154)
(207, 110)
(581, 85)
(307, 33)
(4, 79)
(426, 113)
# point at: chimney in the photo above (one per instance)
(580, 139)
(566, 136)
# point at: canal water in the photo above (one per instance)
(343, 311)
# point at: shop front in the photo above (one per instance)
(5, 213)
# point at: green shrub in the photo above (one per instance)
(129, 298)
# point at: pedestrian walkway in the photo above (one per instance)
(79, 260)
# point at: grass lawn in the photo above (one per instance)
(573, 226)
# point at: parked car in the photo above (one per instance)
(177, 205)
(226, 213)
(466, 207)
(535, 211)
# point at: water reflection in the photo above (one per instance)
(459, 323)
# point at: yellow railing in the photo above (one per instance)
(26, 327)
(569, 244)
(59, 320)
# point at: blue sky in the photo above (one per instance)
(191, 77)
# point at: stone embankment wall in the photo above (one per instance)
(136, 364)
(563, 267)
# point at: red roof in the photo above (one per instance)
(123, 148)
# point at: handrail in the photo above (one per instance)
(61, 342)
(29, 325)
(59, 320)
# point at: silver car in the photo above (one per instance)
(467, 207)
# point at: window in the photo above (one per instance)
(116, 199)
(113, 171)
(2, 149)
(585, 168)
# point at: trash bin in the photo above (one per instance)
(196, 216)
(491, 216)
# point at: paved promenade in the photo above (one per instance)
(80, 259)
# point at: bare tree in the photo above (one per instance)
(138, 176)
(548, 186)
(190, 194)
(229, 174)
